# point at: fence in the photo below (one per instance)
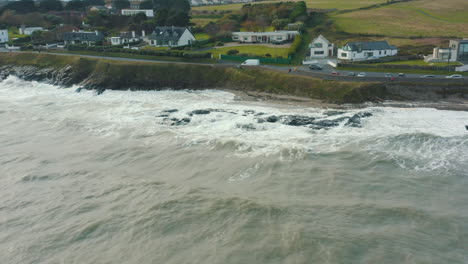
(262, 59)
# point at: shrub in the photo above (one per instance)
(268, 55)
(232, 52)
(219, 44)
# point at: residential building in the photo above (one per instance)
(133, 12)
(265, 37)
(83, 37)
(3, 35)
(126, 38)
(29, 30)
(365, 50)
(321, 48)
(99, 8)
(457, 51)
(171, 37)
(135, 4)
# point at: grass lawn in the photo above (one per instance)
(201, 36)
(155, 48)
(418, 18)
(251, 49)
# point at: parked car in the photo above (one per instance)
(361, 74)
(428, 76)
(335, 73)
(454, 76)
(401, 74)
(315, 67)
(351, 74)
(388, 75)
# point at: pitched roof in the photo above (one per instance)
(83, 36)
(369, 45)
(167, 33)
(320, 36)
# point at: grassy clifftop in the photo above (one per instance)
(107, 74)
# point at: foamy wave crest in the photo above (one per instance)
(218, 120)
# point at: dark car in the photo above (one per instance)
(401, 74)
(351, 74)
(315, 67)
(428, 76)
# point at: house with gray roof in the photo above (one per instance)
(82, 37)
(171, 37)
(366, 50)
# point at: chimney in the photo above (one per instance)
(133, 34)
(143, 33)
(436, 53)
(97, 33)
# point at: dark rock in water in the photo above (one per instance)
(466, 127)
(162, 115)
(272, 119)
(260, 120)
(178, 122)
(355, 120)
(248, 127)
(170, 111)
(259, 114)
(249, 112)
(333, 113)
(298, 120)
(78, 90)
(322, 124)
(199, 112)
(100, 91)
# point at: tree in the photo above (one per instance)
(50, 5)
(77, 5)
(22, 7)
(299, 12)
(121, 4)
(147, 4)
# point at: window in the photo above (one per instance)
(344, 54)
(235, 37)
(380, 52)
(318, 45)
(319, 52)
(385, 52)
(279, 38)
(245, 38)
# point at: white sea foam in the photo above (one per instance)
(233, 122)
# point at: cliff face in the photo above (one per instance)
(103, 74)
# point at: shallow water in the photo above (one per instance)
(125, 178)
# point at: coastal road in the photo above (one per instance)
(325, 74)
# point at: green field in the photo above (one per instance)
(201, 36)
(319, 4)
(251, 49)
(426, 18)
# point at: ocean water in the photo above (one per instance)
(202, 177)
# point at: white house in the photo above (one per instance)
(171, 37)
(29, 30)
(3, 35)
(265, 37)
(365, 50)
(133, 12)
(457, 51)
(127, 37)
(321, 48)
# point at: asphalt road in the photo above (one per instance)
(325, 74)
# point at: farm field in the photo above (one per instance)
(425, 18)
(251, 49)
(321, 4)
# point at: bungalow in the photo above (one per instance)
(171, 37)
(29, 30)
(265, 37)
(82, 37)
(321, 48)
(127, 37)
(365, 50)
(3, 35)
(134, 12)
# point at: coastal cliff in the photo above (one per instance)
(101, 74)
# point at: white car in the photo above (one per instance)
(455, 76)
(361, 74)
